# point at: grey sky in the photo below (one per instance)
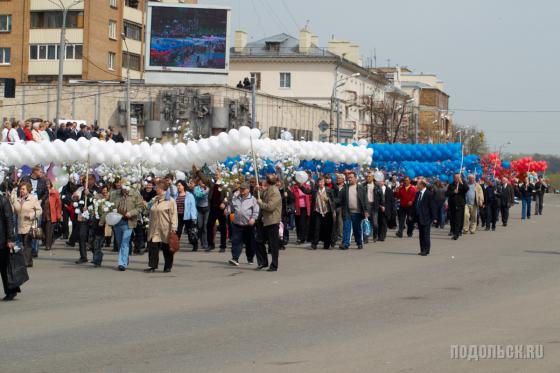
(491, 54)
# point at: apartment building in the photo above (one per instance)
(95, 50)
(297, 68)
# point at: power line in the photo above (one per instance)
(290, 14)
(508, 111)
(258, 18)
(276, 17)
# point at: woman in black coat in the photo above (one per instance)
(322, 217)
(7, 235)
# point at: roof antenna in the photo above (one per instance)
(306, 28)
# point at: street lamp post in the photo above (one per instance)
(128, 114)
(337, 84)
(62, 54)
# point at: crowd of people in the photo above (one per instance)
(256, 216)
(40, 131)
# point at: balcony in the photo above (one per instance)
(133, 15)
(52, 36)
(50, 67)
(47, 5)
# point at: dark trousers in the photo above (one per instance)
(180, 225)
(242, 235)
(217, 214)
(491, 216)
(381, 226)
(406, 216)
(153, 252)
(539, 199)
(190, 226)
(424, 233)
(75, 235)
(98, 242)
(302, 225)
(4, 261)
(26, 241)
(271, 235)
(84, 238)
(49, 234)
(65, 219)
(373, 220)
(139, 237)
(321, 229)
(504, 211)
(456, 217)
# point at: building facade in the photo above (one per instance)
(297, 68)
(431, 105)
(95, 50)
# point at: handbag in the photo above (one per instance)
(173, 240)
(17, 270)
(36, 231)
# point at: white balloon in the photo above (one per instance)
(301, 176)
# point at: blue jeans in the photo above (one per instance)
(352, 223)
(526, 207)
(122, 235)
(442, 216)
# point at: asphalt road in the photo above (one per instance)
(382, 309)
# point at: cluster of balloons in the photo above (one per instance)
(180, 156)
(415, 152)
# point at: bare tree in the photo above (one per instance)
(387, 117)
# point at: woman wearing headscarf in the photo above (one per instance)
(163, 221)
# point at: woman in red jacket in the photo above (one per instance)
(52, 214)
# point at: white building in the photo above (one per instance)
(297, 68)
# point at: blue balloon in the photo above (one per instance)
(506, 165)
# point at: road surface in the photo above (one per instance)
(381, 309)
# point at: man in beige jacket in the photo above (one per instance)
(474, 200)
(271, 207)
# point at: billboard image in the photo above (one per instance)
(187, 38)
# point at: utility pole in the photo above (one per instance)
(62, 56)
(254, 104)
(128, 113)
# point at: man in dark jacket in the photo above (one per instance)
(425, 214)
(7, 239)
(540, 190)
(491, 205)
(506, 195)
(456, 192)
(355, 208)
(385, 200)
(371, 190)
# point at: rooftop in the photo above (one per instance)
(281, 45)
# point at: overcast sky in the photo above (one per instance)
(491, 54)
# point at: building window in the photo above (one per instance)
(113, 30)
(132, 31)
(5, 23)
(111, 61)
(132, 59)
(52, 52)
(5, 57)
(48, 19)
(285, 80)
(131, 3)
(113, 3)
(256, 79)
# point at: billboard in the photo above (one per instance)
(185, 38)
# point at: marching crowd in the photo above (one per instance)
(256, 216)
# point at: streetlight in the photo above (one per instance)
(62, 53)
(337, 84)
(128, 114)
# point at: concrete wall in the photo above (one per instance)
(97, 101)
